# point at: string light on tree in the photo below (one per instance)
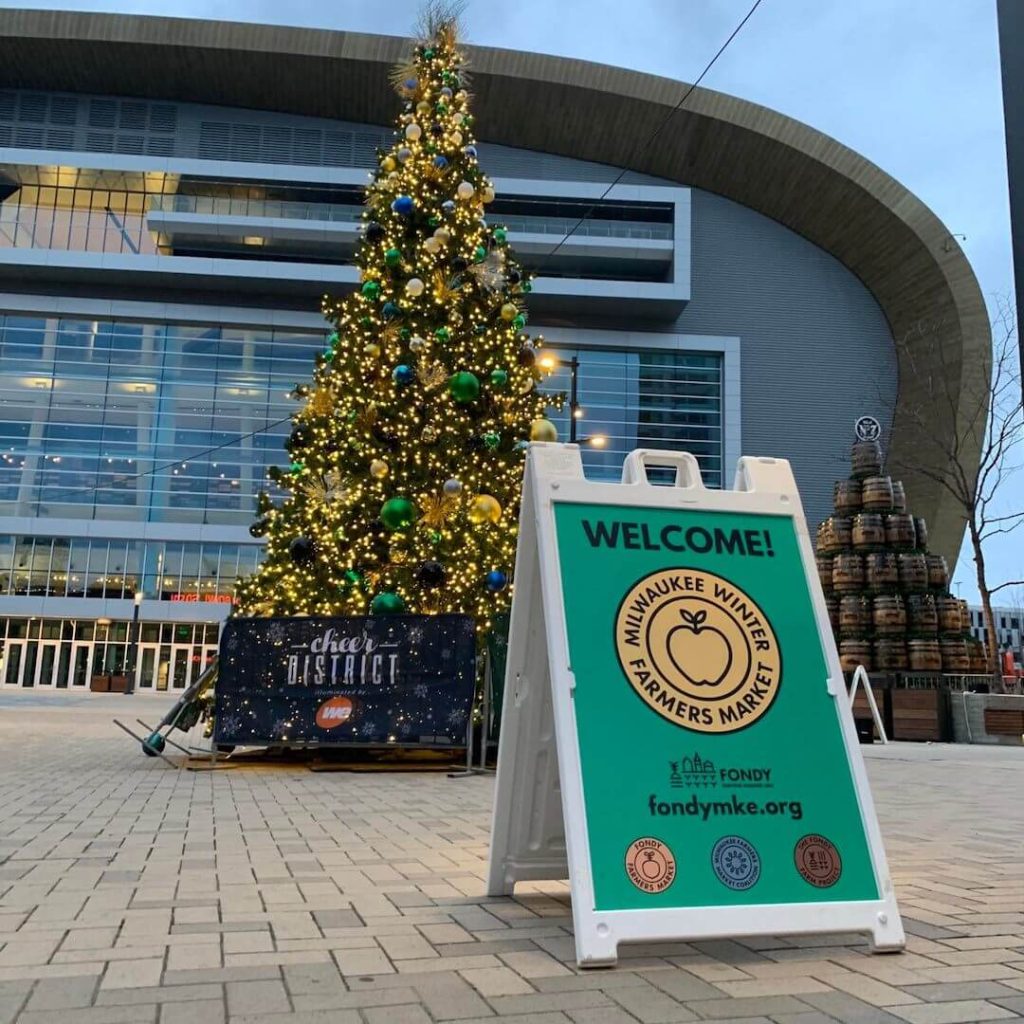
(425, 394)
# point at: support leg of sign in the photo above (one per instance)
(166, 738)
(142, 742)
(860, 678)
(481, 768)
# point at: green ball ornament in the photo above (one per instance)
(405, 334)
(387, 603)
(464, 386)
(353, 577)
(397, 513)
(370, 289)
(297, 467)
(442, 334)
(526, 287)
(392, 257)
(433, 221)
(499, 378)
(442, 108)
(500, 235)
(479, 254)
(492, 440)
(519, 323)
(428, 53)
(332, 338)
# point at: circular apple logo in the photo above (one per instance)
(698, 650)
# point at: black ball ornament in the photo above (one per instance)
(430, 575)
(459, 264)
(513, 276)
(374, 232)
(302, 550)
(298, 438)
(258, 528)
(527, 356)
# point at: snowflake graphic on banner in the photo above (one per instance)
(276, 633)
(457, 717)
(416, 634)
(421, 691)
(232, 723)
(281, 726)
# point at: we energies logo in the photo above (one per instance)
(698, 650)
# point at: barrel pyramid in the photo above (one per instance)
(888, 598)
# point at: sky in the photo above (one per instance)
(913, 85)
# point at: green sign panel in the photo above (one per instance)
(713, 765)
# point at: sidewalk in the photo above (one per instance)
(273, 895)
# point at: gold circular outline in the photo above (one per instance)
(674, 719)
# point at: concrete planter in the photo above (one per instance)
(989, 718)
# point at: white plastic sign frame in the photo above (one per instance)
(539, 828)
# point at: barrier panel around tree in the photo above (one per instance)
(391, 680)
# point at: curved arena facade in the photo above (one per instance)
(176, 196)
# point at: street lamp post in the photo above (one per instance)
(134, 644)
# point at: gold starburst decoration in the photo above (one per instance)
(431, 375)
(404, 71)
(320, 402)
(391, 332)
(445, 290)
(366, 419)
(490, 272)
(328, 489)
(437, 510)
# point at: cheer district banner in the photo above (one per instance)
(403, 680)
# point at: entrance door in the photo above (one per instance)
(31, 661)
(13, 658)
(146, 673)
(81, 665)
(63, 677)
(46, 667)
(181, 664)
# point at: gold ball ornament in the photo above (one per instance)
(456, 138)
(414, 286)
(430, 434)
(484, 509)
(372, 349)
(543, 430)
(509, 311)
(432, 245)
(458, 117)
(388, 163)
(423, 108)
(393, 176)
(413, 132)
(378, 469)
(488, 194)
(465, 190)
(442, 235)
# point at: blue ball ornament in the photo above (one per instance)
(496, 581)
(448, 206)
(403, 206)
(470, 151)
(410, 84)
(390, 310)
(403, 374)
(440, 162)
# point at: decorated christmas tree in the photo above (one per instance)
(407, 454)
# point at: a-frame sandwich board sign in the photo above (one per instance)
(676, 738)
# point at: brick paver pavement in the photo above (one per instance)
(273, 895)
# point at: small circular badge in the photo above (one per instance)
(818, 861)
(650, 865)
(867, 428)
(736, 862)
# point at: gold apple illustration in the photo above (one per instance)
(699, 651)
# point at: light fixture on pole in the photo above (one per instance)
(133, 650)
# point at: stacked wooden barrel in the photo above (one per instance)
(888, 596)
